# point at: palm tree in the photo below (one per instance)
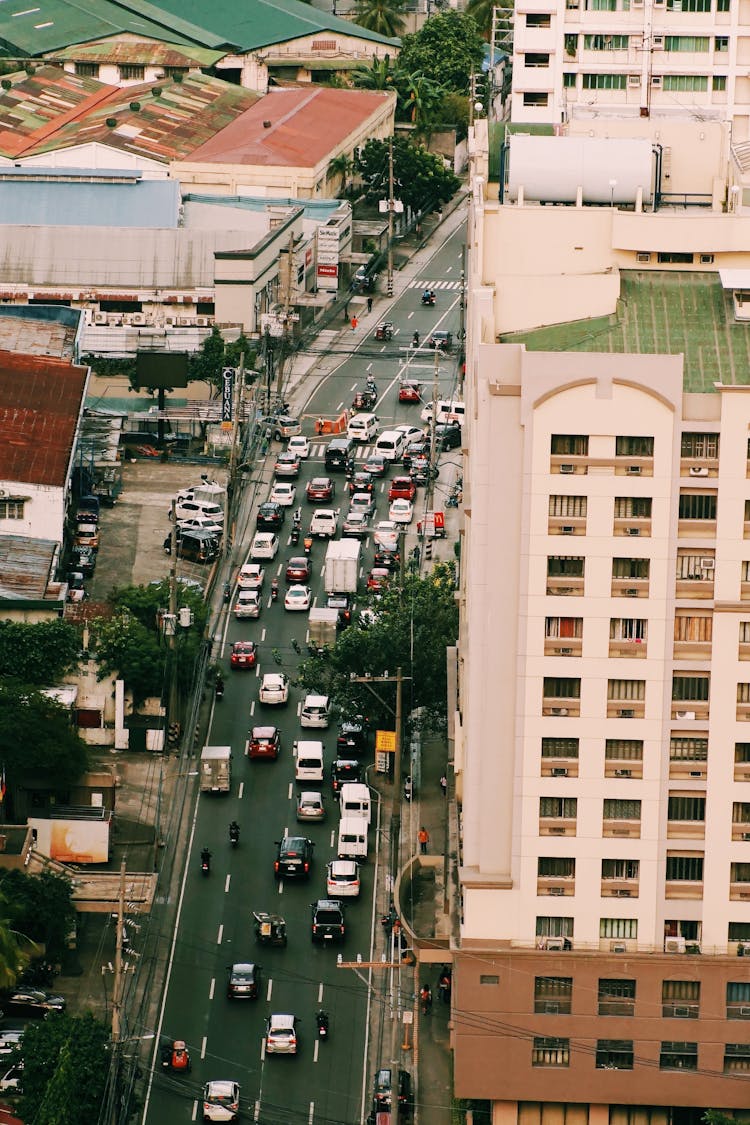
(385, 17)
(341, 165)
(379, 75)
(421, 98)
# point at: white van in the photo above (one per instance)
(352, 838)
(390, 445)
(448, 410)
(355, 800)
(315, 711)
(363, 427)
(308, 762)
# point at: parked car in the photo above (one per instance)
(383, 1092)
(274, 688)
(87, 535)
(31, 1002)
(244, 654)
(243, 981)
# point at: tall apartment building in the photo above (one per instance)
(604, 739)
(601, 58)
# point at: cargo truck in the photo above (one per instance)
(216, 769)
(321, 633)
(342, 566)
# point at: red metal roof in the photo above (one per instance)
(41, 399)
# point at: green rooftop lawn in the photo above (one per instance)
(672, 313)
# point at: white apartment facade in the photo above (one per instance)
(615, 58)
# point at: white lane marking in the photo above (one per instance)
(269, 990)
(262, 636)
(340, 405)
(290, 791)
(353, 387)
(252, 707)
(311, 1114)
(263, 1049)
(257, 669)
(227, 881)
(195, 1111)
(368, 369)
(448, 269)
(281, 886)
(299, 708)
(204, 1044)
(333, 836)
(211, 989)
(316, 1048)
(411, 314)
(220, 934)
(320, 993)
(256, 1113)
(242, 789)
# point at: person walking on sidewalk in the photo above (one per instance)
(424, 838)
(369, 304)
(444, 785)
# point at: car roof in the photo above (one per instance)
(343, 866)
(311, 795)
(274, 678)
(221, 1086)
(261, 535)
(263, 732)
(281, 1020)
(244, 967)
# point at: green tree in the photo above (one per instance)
(413, 628)
(453, 112)
(379, 75)
(66, 1063)
(40, 653)
(385, 17)
(447, 49)
(481, 12)
(49, 744)
(40, 907)
(207, 362)
(421, 179)
(241, 348)
(420, 99)
(15, 949)
(341, 166)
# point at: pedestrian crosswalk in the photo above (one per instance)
(425, 283)
(318, 451)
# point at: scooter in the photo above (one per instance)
(234, 834)
(219, 688)
(227, 593)
(321, 1019)
(275, 590)
(428, 297)
(205, 862)
(408, 788)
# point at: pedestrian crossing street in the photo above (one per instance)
(425, 283)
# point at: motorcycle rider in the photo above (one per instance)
(415, 340)
(219, 685)
(321, 1019)
(408, 787)
(425, 995)
(234, 832)
(205, 860)
(274, 589)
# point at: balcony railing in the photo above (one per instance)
(557, 826)
(634, 649)
(741, 830)
(562, 708)
(565, 585)
(632, 526)
(616, 827)
(683, 888)
(700, 587)
(557, 885)
(696, 529)
(687, 829)
(739, 891)
(690, 710)
(626, 708)
(691, 650)
(566, 525)
(559, 767)
(563, 646)
(630, 587)
(619, 888)
(634, 466)
(699, 468)
(687, 770)
(623, 767)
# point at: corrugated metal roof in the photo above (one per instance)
(26, 567)
(42, 101)
(40, 403)
(141, 53)
(306, 125)
(140, 203)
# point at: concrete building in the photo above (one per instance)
(602, 742)
(585, 59)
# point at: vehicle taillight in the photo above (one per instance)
(307, 866)
(276, 865)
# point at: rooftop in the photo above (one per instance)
(667, 313)
(40, 402)
(292, 127)
(40, 102)
(26, 567)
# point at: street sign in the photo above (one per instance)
(227, 394)
(385, 745)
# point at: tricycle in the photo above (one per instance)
(364, 400)
(270, 929)
(384, 331)
(175, 1056)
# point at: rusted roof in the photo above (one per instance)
(40, 102)
(26, 567)
(40, 402)
(164, 126)
(140, 52)
(292, 128)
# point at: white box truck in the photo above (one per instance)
(216, 769)
(342, 566)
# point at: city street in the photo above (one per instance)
(328, 1082)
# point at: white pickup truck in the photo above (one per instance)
(324, 523)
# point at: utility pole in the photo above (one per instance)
(462, 326)
(287, 304)
(391, 205)
(430, 490)
(170, 624)
(395, 1021)
(117, 985)
(230, 505)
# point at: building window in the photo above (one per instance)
(721, 43)
(559, 747)
(740, 812)
(626, 690)
(562, 687)
(684, 869)
(694, 568)
(538, 19)
(694, 43)
(605, 42)
(632, 507)
(634, 446)
(738, 1000)
(618, 928)
(617, 809)
(12, 509)
(569, 445)
(674, 257)
(686, 808)
(688, 5)
(574, 506)
(738, 931)
(87, 70)
(700, 446)
(680, 999)
(558, 808)
(741, 752)
(182, 71)
(628, 629)
(697, 506)
(558, 628)
(604, 81)
(569, 80)
(693, 627)
(550, 1052)
(688, 749)
(631, 568)
(691, 689)
(556, 867)
(553, 995)
(623, 749)
(684, 84)
(616, 997)
(536, 59)
(736, 1058)
(743, 693)
(489, 978)
(722, 5)
(567, 565)
(132, 71)
(554, 927)
(614, 1054)
(739, 872)
(621, 868)
(536, 100)
(719, 83)
(678, 1056)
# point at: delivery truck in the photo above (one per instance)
(342, 566)
(321, 632)
(216, 769)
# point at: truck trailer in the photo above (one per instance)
(216, 769)
(342, 566)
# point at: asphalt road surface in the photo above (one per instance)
(327, 1082)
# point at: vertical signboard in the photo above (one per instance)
(385, 745)
(227, 397)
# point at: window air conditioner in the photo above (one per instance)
(626, 713)
(632, 592)
(632, 531)
(100, 318)
(567, 529)
(708, 563)
(559, 771)
(185, 321)
(567, 468)
(685, 715)
(698, 471)
(642, 255)
(127, 318)
(623, 773)
(681, 1013)
(170, 321)
(558, 710)
(674, 945)
(635, 80)
(622, 892)
(634, 470)
(201, 322)
(656, 81)
(556, 891)
(618, 947)
(139, 318)
(114, 318)
(657, 43)
(565, 651)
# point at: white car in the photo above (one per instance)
(187, 509)
(251, 577)
(221, 1100)
(264, 545)
(201, 523)
(274, 688)
(11, 1080)
(411, 433)
(324, 523)
(284, 493)
(299, 445)
(247, 604)
(401, 511)
(298, 597)
(342, 879)
(281, 1034)
(386, 535)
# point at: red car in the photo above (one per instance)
(402, 488)
(377, 578)
(320, 488)
(299, 570)
(244, 654)
(409, 392)
(264, 742)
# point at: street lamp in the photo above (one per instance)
(612, 186)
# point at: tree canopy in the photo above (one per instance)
(385, 17)
(66, 1062)
(215, 354)
(421, 179)
(40, 653)
(49, 744)
(447, 48)
(412, 629)
(40, 907)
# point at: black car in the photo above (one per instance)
(270, 516)
(389, 560)
(342, 603)
(384, 1091)
(31, 1002)
(414, 450)
(447, 435)
(339, 453)
(243, 981)
(352, 738)
(83, 559)
(294, 858)
(328, 921)
(343, 771)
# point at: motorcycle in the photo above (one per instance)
(425, 995)
(415, 340)
(428, 297)
(175, 1056)
(408, 788)
(294, 537)
(444, 987)
(321, 1019)
(227, 593)
(308, 544)
(205, 862)
(219, 688)
(275, 590)
(234, 834)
